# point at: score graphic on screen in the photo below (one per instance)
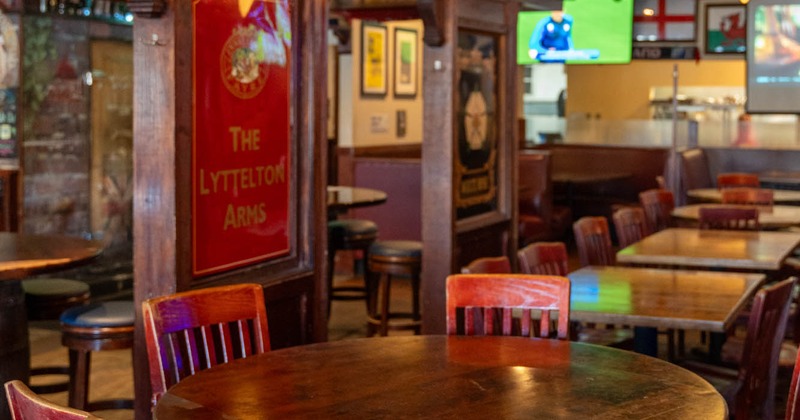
(584, 32)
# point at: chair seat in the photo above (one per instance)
(396, 249)
(102, 314)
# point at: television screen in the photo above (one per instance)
(584, 32)
(773, 57)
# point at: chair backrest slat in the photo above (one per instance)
(506, 292)
(657, 204)
(728, 218)
(544, 258)
(191, 331)
(24, 404)
(593, 241)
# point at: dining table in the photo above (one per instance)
(737, 250)
(652, 298)
(21, 256)
(781, 180)
(769, 217)
(437, 376)
(714, 195)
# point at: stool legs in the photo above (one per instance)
(379, 306)
(79, 368)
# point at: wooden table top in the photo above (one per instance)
(440, 376)
(729, 249)
(661, 298)
(344, 197)
(25, 255)
(769, 217)
(713, 195)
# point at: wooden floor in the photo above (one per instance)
(112, 375)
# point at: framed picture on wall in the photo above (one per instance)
(373, 60)
(405, 62)
(724, 28)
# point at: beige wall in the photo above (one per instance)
(622, 91)
(362, 112)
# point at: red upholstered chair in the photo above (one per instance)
(195, 330)
(630, 224)
(728, 218)
(657, 204)
(486, 265)
(548, 258)
(737, 179)
(26, 405)
(593, 240)
(753, 196)
(750, 390)
(475, 297)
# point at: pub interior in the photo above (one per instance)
(362, 200)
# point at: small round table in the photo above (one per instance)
(341, 198)
(441, 376)
(23, 256)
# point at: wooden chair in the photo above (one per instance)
(480, 296)
(487, 265)
(752, 196)
(26, 405)
(657, 204)
(549, 258)
(750, 390)
(793, 399)
(593, 240)
(630, 224)
(737, 179)
(195, 330)
(728, 218)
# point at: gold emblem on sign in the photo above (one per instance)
(243, 73)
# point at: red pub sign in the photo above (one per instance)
(241, 154)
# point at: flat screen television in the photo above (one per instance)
(583, 32)
(773, 57)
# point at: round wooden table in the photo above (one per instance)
(440, 376)
(23, 256)
(769, 217)
(341, 198)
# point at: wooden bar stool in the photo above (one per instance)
(348, 234)
(388, 259)
(45, 300)
(95, 327)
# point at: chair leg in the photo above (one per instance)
(79, 365)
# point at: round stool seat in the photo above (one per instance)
(48, 298)
(396, 249)
(98, 315)
(347, 230)
(95, 327)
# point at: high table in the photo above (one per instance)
(650, 298)
(769, 217)
(440, 376)
(341, 198)
(713, 195)
(718, 249)
(23, 256)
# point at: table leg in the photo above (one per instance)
(645, 340)
(15, 351)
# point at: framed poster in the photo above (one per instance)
(405, 62)
(373, 59)
(724, 29)
(664, 21)
(241, 153)
(476, 108)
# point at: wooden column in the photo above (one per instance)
(163, 114)
(451, 240)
